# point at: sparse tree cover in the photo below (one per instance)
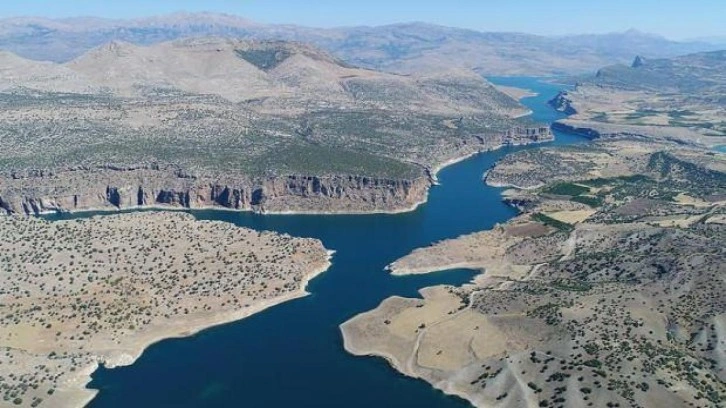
(101, 289)
(618, 301)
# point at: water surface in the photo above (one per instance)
(292, 354)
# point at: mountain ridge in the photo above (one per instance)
(280, 125)
(403, 47)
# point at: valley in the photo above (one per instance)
(200, 209)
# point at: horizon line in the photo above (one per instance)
(700, 38)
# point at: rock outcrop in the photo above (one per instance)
(638, 62)
(562, 103)
(108, 187)
(525, 135)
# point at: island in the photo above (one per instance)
(79, 293)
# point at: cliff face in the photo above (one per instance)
(74, 190)
(562, 103)
(109, 187)
(526, 135)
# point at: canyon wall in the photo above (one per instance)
(111, 187)
(117, 187)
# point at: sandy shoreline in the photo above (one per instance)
(515, 92)
(396, 271)
(509, 185)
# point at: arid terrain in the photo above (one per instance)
(76, 294)
(255, 125)
(606, 291)
(679, 99)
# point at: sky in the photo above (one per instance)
(676, 19)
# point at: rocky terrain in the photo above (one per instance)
(268, 126)
(608, 289)
(151, 186)
(679, 99)
(407, 47)
(601, 159)
(76, 294)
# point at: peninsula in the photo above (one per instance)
(76, 294)
(606, 291)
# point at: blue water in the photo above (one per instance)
(292, 354)
(546, 90)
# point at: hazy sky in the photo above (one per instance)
(672, 18)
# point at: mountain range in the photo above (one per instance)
(403, 48)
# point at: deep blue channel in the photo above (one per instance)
(292, 354)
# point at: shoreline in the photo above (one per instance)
(515, 92)
(400, 368)
(435, 170)
(124, 359)
(509, 185)
(395, 271)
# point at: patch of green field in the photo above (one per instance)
(562, 226)
(568, 189)
(592, 201)
(264, 59)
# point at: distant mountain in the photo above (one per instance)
(681, 98)
(693, 73)
(718, 40)
(402, 48)
(278, 75)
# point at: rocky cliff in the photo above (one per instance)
(110, 187)
(526, 135)
(562, 103)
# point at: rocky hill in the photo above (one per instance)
(251, 117)
(399, 47)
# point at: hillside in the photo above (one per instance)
(691, 73)
(206, 114)
(606, 291)
(679, 98)
(410, 47)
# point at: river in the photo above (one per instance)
(292, 354)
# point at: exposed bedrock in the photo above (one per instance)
(525, 135)
(84, 189)
(108, 187)
(562, 103)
